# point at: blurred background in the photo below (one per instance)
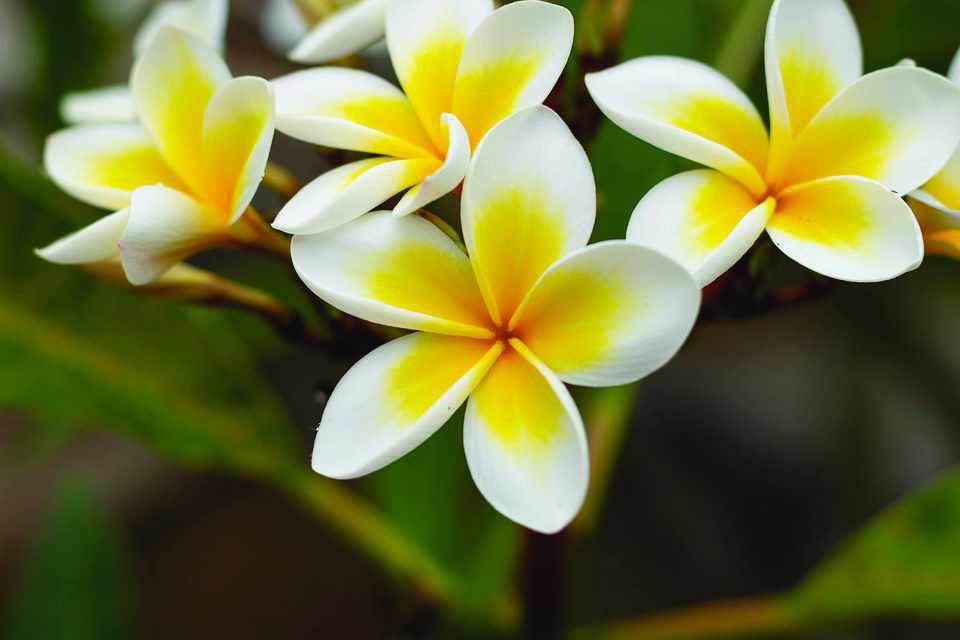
(134, 432)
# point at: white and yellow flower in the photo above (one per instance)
(937, 204)
(824, 184)
(204, 19)
(530, 306)
(347, 31)
(463, 66)
(180, 180)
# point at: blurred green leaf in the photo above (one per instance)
(626, 167)
(78, 583)
(430, 495)
(906, 561)
(76, 352)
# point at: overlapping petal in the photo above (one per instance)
(426, 39)
(237, 136)
(173, 83)
(689, 109)
(94, 243)
(897, 126)
(812, 53)
(609, 314)
(529, 199)
(347, 192)
(447, 177)
(525, 443)
(102, 164)
(108, 104)
(940, 225)
(945, 186)
(954, 72)
(512, 61)
(395, 398)
(848, 228)
(164, 227)
(402, 272)
(703, 219)
(347, 31)
(350, 109)
(203, 19)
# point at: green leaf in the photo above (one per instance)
(430, 495)
(78, 583)
(78, 353)
(904, 562)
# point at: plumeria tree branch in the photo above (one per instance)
(750, 618)
(188, 284)
(281, 182)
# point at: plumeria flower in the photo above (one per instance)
(531, 306)
(824, 184)
(937, 204)
(205, 19)
(464, 67)
(349, 30)
(181, 179)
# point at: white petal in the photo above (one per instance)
(702, 219)
(342, 194)
(939, 224)
(512, 61)
(528, 200)
(94, 243)
(447, 177)
(689, 109)
(847, 228)
(395, 398)
(109, 104)
(349, 109)
(954, 73)
(401, 272)
(812, 53)
(102, 164)
(609, 314)
(165, 227)
(205, 19)
(349, 30)
(897, 126)
(525, 444)
(237, 136)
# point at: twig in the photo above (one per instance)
(281, 182)
(736, 619)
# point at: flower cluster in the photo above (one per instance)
(500, 321)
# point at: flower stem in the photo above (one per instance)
(370, 534)
(607, 412)
(751, 618)
(185, 283)
(740, 50)
(252, 232)
(281, 182)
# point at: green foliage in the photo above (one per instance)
(430, 495)
(905, 562)
(78, 583)
(76, 352)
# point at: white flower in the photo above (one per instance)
(205, 19)
(825, 183)
(181, 178)
(531, 306)
(463, 66)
